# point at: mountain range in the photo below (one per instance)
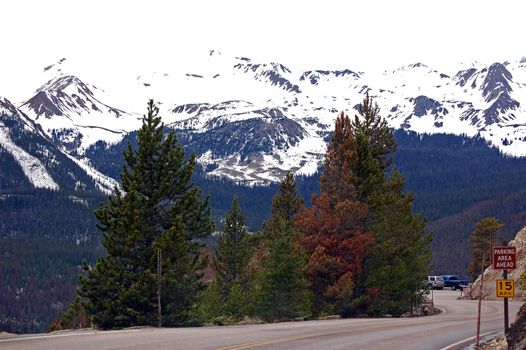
(251, 121)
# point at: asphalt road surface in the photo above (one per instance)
(454, 328)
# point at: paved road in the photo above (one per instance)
(456, 324)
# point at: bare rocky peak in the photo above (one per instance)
(497, 82)
(6, 106)
(64, 96)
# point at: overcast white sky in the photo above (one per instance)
(359, 35)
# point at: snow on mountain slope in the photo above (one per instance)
(43, 163)
(275, 74)
(32, 167)
(72, 113)
(251, 144)
(253, 120)
(103, 183)
(217, 80)
(478, 100)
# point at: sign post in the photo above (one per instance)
(505, 258)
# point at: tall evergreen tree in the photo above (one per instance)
(398, 266)
(159, 208)
(230, 263)
(333, 233)
(286, 204)
(482, 239)
(283, 291)
(395, 270)
(382, 142)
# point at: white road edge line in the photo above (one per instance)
(468, 339)
(7, 340)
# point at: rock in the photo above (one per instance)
(516, 335)
(428, 310)
(250, 321)
(330, 317)
(491, 275)
(498, 343)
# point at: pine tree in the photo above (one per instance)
(369, 175)
(159, 208)
(399, 264)
(286, 204)
(211, 306)
(333, 233)
(482, 239)
(396, 269)
(337, 180)
(375, 128)
(230, 263)
(283, 292)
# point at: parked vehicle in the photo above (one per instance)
(436, 282)
(454, 282)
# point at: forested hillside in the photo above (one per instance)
(458, 181)
(45, 235)
(46, 225)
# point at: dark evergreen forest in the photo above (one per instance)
(45, 235)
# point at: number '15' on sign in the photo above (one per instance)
(505, 288)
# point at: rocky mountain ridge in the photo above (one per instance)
(252, 121)
(28, 155)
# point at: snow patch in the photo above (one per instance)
(104, 183)
(33, 168)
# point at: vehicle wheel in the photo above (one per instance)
(453, 288)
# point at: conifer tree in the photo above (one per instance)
(285, 206)
(230, 263)
(398, 266)
(395, 270)
(283, 291)
(482, 238)
(337, 179)
(211, 306)
(158, 208)
(382, 142)
(333, 233)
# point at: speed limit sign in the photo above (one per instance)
(505, 288)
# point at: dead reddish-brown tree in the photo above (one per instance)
(333, 233)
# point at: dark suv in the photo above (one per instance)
(454, 282)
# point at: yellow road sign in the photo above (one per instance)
(505, 288)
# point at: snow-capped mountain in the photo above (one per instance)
(73, 113)
(29, 157)
(249, 120)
